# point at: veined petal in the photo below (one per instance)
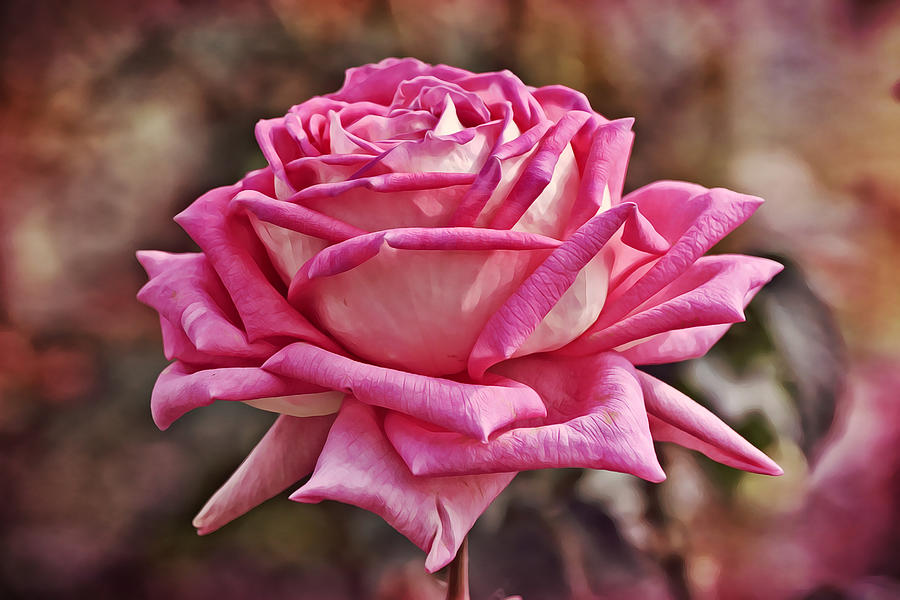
(520, 316)
(673, 346)
(595, 419)
(692, 219)
(358, 466)
(538, 175)
(677, 418)
(712, 291)
(188, 295)
(181, 388)
(604, 172)
(285, 455)
(472, 409)
(233, 250)
(417, 289)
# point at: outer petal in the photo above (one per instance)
(180, 389)
(673, 346)
(712, 291)
(520, 316)
(677, 418)
(285, 455)
(474, 410)
(358, 466)
(435, 290)
(691, 219)
(238, 258)
(596, 419)
(188, 295)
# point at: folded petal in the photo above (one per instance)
(435, 290)
(673, 346)
(181, 388)
(196, 309)
(595, 419)
(712, 291)
(691, 219)
(542, 197)
(471, 409)
(677, 418)
(499, 173)
(285, 455)
(359, 466)
(521, 316)
(243, 266)
(377, 202)
(603, 175)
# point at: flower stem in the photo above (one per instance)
(458, 580)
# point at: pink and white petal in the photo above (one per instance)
(521, 315)
(291, 233)
(548, 184)
(677, 418)
(497, 176)
(419, 278)
(186, 292)
(285, 455)
(692, 219)
(673, 346)
(243, 266)
(359, 466)
(181, 388)
(426, 199)
(472, 409)
(595, 419)
(301, 405)
(712, 291)
(603, 175)
(401, 124)
(461, 152)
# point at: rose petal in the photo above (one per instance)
(673, 346)
(558, 101)
(712, 291)
(475, 410)
(231, 246)
(300, 405)
(379, 82)
(538, 175)
(604, 172)
(284, 456)
(291, 233)
(188, 295)
(181, 388)
(596, 419)
(498, 174)
(520, 316)
(358, 466)
(677, 418)
(416, 289)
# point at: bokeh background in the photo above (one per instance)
(116, 115)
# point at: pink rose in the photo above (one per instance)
(438, 283)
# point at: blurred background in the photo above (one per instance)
(116, 115)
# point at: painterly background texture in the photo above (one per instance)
(116, 115)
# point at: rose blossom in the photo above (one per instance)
(437, 282)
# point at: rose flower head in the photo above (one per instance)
(438, 283)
